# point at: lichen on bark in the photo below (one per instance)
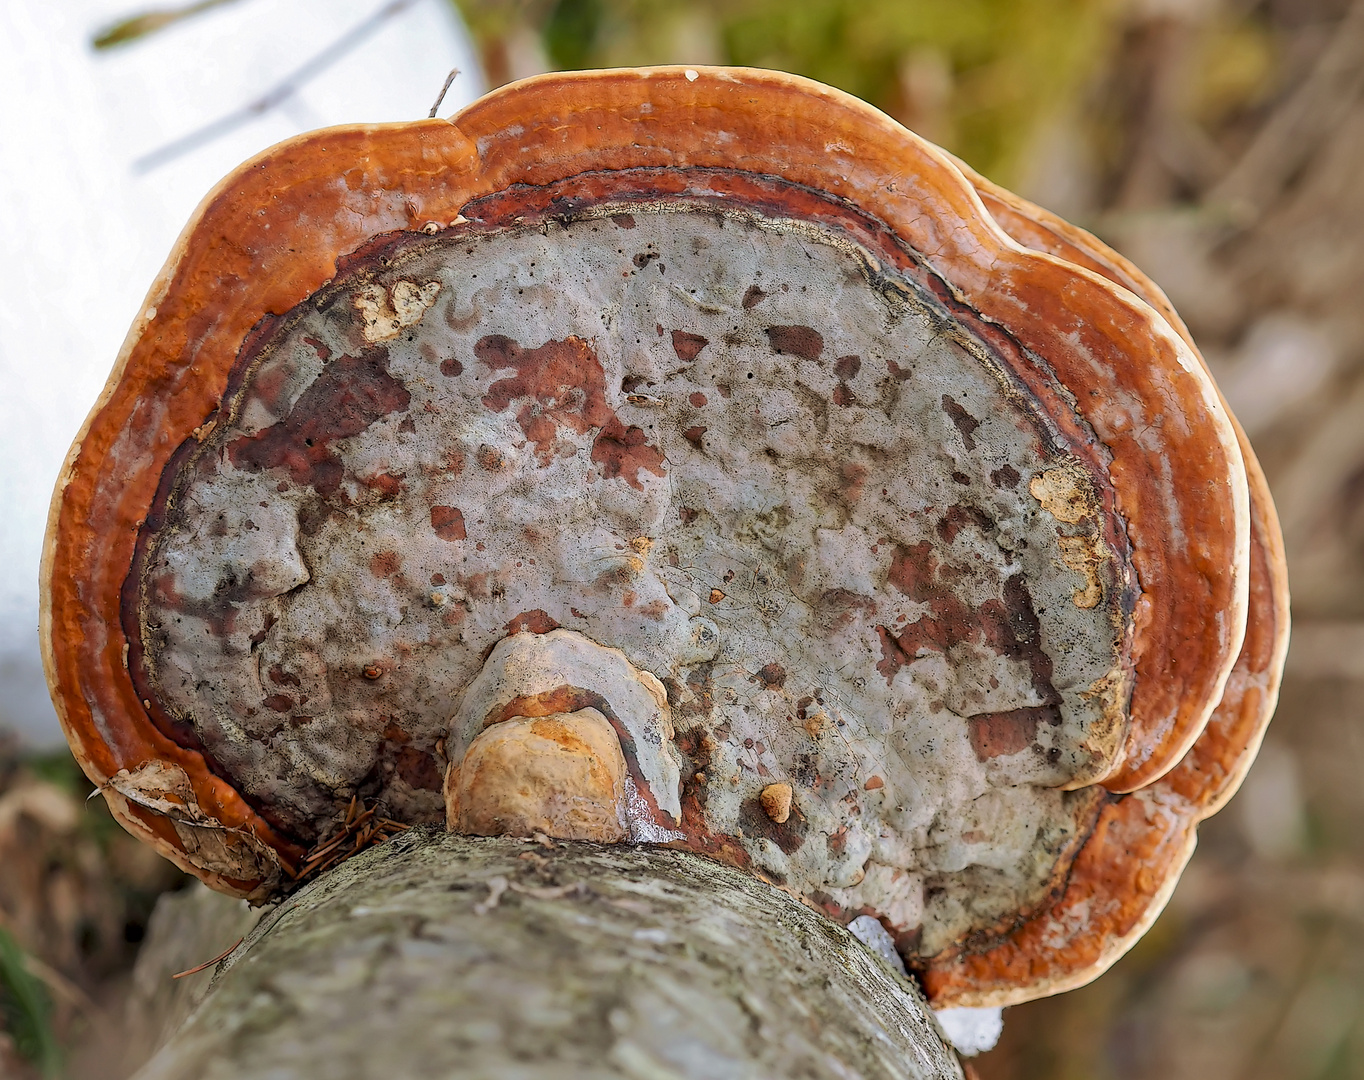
(439, 955)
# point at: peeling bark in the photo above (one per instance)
(438, 955)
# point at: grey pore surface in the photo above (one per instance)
(769, 473)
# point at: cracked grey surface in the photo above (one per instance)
(753, 525)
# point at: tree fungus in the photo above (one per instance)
(681, 456)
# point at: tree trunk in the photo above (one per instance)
(437, 956)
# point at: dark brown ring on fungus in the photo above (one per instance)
(664, 130)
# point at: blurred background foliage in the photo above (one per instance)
(976, 75)
(1001, 83)
(1218, 143)
(26, 1010)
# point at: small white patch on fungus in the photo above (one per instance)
(385, 314)
(1063, 494)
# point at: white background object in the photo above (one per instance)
(971, 1031)
(83, 234)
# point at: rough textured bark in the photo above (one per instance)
(439, 955)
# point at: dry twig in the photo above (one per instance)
(277, 94)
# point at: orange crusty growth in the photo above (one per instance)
(1143, 515)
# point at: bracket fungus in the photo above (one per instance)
(686, 456)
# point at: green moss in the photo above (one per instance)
(26, 1010)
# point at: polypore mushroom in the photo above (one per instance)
(683, 456)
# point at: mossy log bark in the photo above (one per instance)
(445, 956)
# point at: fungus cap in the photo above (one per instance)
(710, 408)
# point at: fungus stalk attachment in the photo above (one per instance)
(562, 775)
(533, 766)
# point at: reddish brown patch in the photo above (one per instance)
(697, 399)
(965, 422)
(688, 346)
(959, 517)
(393, 733)
(261, 634)
(269, 388)
(998, 734)
(385, 564)
(490, 458)
(451, 367)
(279, 702)
(1008, 626)
(854, 480)
(437, 579)
(694, 435)
(386, 484)
(532, 622)
(448, 522)
(846, 367)
(802, 341)
(476, 586)
(772, 676)
(280, 677)
(623, 454)
(562, 699)
(560, 384)
(408, 426)
(839, 607)
(419, 769)
(897, 372)
(351, 394)
(753, 296)
(843, 397)
(874, 784)
(893, 657)
(1006, 476)
(624, 221)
